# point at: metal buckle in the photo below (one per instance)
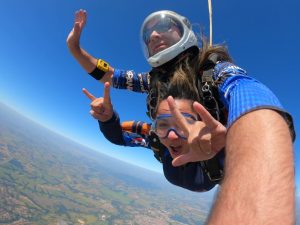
(216, 178)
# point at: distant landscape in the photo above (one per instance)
(48, 179)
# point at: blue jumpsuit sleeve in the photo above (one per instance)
(242, 94)
(130, 80)
(113, 132)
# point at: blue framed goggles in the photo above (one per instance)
(165, 123)
(162, 26)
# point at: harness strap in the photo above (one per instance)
(157, 147)
(210, 102)
(212, 166)
(213, 169)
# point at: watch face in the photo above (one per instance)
(102, 65)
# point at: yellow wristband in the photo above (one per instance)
(102, 65)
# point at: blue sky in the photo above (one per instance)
(40, 79)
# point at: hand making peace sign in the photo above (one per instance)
(205, 138)
(101, 108)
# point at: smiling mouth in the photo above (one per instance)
(160, 46)
(176, 151)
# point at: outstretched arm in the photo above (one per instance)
(258, 187)
(87, 61)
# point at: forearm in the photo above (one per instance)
(258, 187)
(88, 62)
(112, 130)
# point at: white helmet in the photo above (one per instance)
(162, 22)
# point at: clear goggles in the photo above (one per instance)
(165, 123)
(160, 25)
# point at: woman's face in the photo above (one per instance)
(176, 144)
(160, 35)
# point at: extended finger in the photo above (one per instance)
(205, 116)
(76, 19)
(179, 118)
(88, 94)
(83, 17)
(106, 95)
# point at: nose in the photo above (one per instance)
(172, 135)
(154, 35)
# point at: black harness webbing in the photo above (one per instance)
(213, 169)
(157, 147)
(209, 95)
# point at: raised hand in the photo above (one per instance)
(101, 108)
(79, 23)
(205, 138)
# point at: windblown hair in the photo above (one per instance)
(181, 85)
(179, 78)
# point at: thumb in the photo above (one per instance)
(182, 159)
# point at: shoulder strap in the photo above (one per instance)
(206, 86)
(209, 94)
(213, 169)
